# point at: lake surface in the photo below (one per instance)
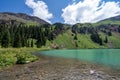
(110, 57)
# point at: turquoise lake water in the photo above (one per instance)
(110, 57)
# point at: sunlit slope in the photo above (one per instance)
(66, 40)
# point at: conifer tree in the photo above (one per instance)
(38, 43)
(17, 41)
(28, 43)
(5, 41)
(32, 43)
(106, 40)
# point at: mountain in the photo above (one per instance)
(22, 18)
(82, 36)
(116, 18)
(104, 34)
(112, 20)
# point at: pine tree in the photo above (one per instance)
(0, 38)
(5, 41)
(23, 41)
(28, 43)
(32, 43)
(109, 33)
(12, 40)
(96, 38)
(106, 40)
(38, 43)
(75, 37)
(17, 41)
(43, 38)
(39, 38)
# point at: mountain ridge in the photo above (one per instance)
(113, 18)
(59, 35)
(25, 18)
(21, 17)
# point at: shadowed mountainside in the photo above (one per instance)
(21, 17)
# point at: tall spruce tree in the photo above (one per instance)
(38, 43)
(96, 38)
(5, 41)
(32, 43)
(106, 40)
(28, 43)
(17, 41)
(23, 41)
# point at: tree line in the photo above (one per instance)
(21, 35)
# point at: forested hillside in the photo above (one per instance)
(17, 34)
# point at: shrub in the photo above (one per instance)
(15, 56)
(7, 59)
(23, 58)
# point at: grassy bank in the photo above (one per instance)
(11, 56)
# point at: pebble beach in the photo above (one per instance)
(49, 68)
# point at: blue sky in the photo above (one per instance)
(61, 10)
(19, 6)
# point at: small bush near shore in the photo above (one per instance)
(23, 58)
(12, 56)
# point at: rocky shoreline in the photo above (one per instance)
(48, 68)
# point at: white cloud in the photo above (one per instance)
(73, 0)
(90, 11)
(40, 9)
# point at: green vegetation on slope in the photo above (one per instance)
(115, 40)
(11, 56)
(84, 41)
(66, 40)
(106, 22)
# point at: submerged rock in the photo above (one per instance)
(92, 71)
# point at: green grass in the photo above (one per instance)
(84, 41)
(115, 40)
(106, 22)
(11, 56)
(110, 22)
(30, 23)
(66, 40)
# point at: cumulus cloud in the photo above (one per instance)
(90, 11)
(40, 9)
